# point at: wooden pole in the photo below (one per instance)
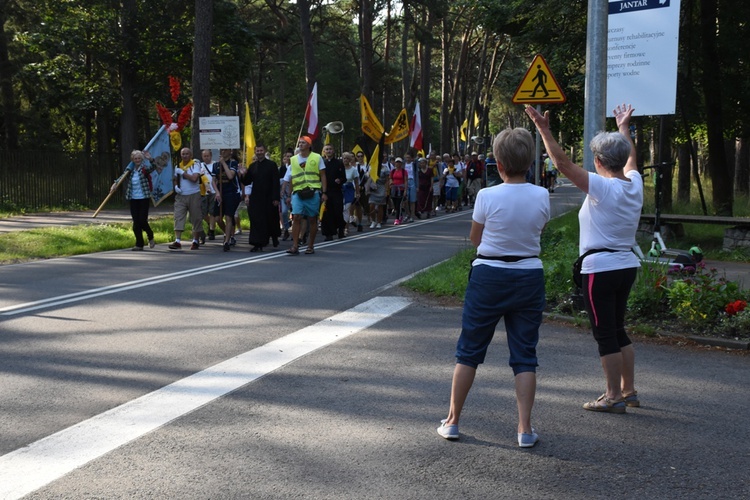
(112, 192)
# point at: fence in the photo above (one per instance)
(34, 180)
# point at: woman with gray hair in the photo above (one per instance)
(608, 220)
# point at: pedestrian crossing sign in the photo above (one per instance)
(538, 85)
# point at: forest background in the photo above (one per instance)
(79, 79)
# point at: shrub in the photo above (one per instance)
(648, 297)
(700, 298)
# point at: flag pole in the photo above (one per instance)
(302, 127)
(118, 182)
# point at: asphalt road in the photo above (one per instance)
(355, 418)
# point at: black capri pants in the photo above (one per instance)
(605, 296)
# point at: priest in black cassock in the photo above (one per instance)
(333, 218)
(263, 201)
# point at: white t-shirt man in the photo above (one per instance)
(188, 187)
(513, 216)
(609, 219)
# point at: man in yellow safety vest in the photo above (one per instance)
(308, 191)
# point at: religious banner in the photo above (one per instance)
(161, 178)
(219, 132)
(161, 156)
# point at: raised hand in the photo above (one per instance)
(622, 114)
(541, 121)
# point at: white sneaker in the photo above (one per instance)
(525, 440)
(448, 431)
(372, 226)
(377, 226)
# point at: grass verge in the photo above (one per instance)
(650, 305)
(51, 242)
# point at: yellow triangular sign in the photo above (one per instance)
(538, 85)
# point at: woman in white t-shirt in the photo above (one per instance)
(506, 281)
(608, 219)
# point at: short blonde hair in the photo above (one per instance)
(514, 149)
(136, 152)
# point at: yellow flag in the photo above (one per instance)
(374, 162)
(371, 126)
(400, 129)
(358, 149)
(464, 127)
(249, 137)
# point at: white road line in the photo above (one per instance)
(31, 467)
(154, 280)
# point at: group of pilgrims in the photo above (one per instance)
(305, 193)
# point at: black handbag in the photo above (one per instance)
(306, 193)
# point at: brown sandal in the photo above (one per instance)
(293, 251)
(605, 405)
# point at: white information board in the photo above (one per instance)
(642, 55)
(219, 132)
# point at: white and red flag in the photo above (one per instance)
(415, 134)
(311, 114)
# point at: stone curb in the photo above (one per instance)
(711, 341)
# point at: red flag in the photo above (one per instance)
(311, 115)
(415, 134)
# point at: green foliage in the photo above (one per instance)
(647, 298)
(559, 250)
(700, 298)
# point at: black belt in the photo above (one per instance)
(506, 258)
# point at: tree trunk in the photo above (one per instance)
(711, 79)
(445, 122)
(730, 152)
(683, 173)
(365, 47)
(665, 156)
(88, 116)
(424, 77)
(406, 97)
(640, 142)
(8, 126)
(742, 167)
(311, 70)
(386, 61)
(128, 80)
(204, 13)
(480, 84)
(494, 73)
(459, 92)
